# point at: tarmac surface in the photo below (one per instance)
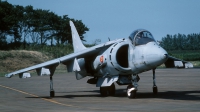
(178, 90)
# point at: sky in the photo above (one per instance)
(119, 18)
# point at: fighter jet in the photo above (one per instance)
(119, 61)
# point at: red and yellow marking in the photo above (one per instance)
(101, 59)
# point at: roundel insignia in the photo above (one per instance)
(101, 59)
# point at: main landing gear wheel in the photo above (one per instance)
(131, 92)
(109, 90)
(155, 90)
(103, 91)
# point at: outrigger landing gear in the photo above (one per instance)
(109, 90)
(155, 89)
(52, 70)
(52, 93)
(132, 88)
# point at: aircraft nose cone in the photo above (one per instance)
(156, 57)
(165, 56)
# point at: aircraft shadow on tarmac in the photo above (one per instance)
(173, 95)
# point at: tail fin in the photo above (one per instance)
(77, 43)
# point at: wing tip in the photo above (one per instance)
(8, 75)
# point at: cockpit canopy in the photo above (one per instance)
(141, 37)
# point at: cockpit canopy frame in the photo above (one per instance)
(141, 37)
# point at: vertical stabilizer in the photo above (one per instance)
(77, 43)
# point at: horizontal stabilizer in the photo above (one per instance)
(178, 63)
(24, 75)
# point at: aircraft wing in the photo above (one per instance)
(52, 64)
(175, 62)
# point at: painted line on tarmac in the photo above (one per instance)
(49, 100)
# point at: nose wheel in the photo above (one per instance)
(132, 88)
(131, 92)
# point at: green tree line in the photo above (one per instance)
(186, 47)
(25, 26)
(181, 42)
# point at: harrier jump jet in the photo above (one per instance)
(117, 61)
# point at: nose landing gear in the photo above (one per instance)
(132, 88)
(131, 91)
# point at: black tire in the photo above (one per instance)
(52, 93)
(131, 94)
(103, 91)
(111, 89)
(155, 90)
